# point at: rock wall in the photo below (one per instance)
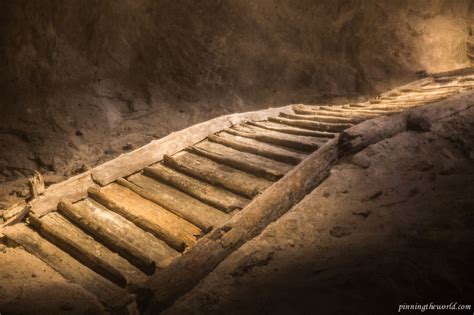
(83, 81)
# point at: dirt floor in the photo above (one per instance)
(391, 225)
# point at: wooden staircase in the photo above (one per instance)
(110, 235)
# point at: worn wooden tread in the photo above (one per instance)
(106, 291)
(259, 148)
(291, 130)
(242, 183)
(296, 142)
(313, 125)
(120, 235)
(316, 110)
(251, 163)
(165, 225)
(87, 250)
(321, 118)
(214, 196)
(191, 209)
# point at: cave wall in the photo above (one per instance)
(81, 79)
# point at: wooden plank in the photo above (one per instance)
(107, 292)
(320, 118)
(291, 130)
(88, 251)
(175, 231)
(316, 110)
(313, 125)
(358, 111)
(300, 143)
(183, 205)
(72, 190)
(140, 248)
(153, 152)
(251, 163)
(189, 269)
(214, 196)
(256, 147)
(236, 181)
(384, 107)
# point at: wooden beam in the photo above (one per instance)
(153, 152)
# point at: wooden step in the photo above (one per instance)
(291, 130)
(320, 118)
(251, 163)
(358, 111)
(384, 107)
(211, 195)
(236, 181)
(313, 125)
(309, 141)
(165, 225)
(88, 251)
(316, 110)
(140, 248)
(300, 143)
(257, 147)
(71, 269)
(198, 213)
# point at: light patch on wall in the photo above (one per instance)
(440, 44)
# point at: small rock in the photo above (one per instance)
(449, 155)
(418, 124)
(447, 169)
(79, 133)
(36, 185)
(326, 194)
(340, 231)
(361, 159)
(413, 192)
(67, 306)
(110, 151)
(363, 213)
(373, 195)
(423, 166)
(33, 275)
(127, 147)
(81, 169)
(23, 193)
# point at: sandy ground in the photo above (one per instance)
(29, 286)
(392, 225)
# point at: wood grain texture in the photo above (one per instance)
(151, 217)
(217, 197)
